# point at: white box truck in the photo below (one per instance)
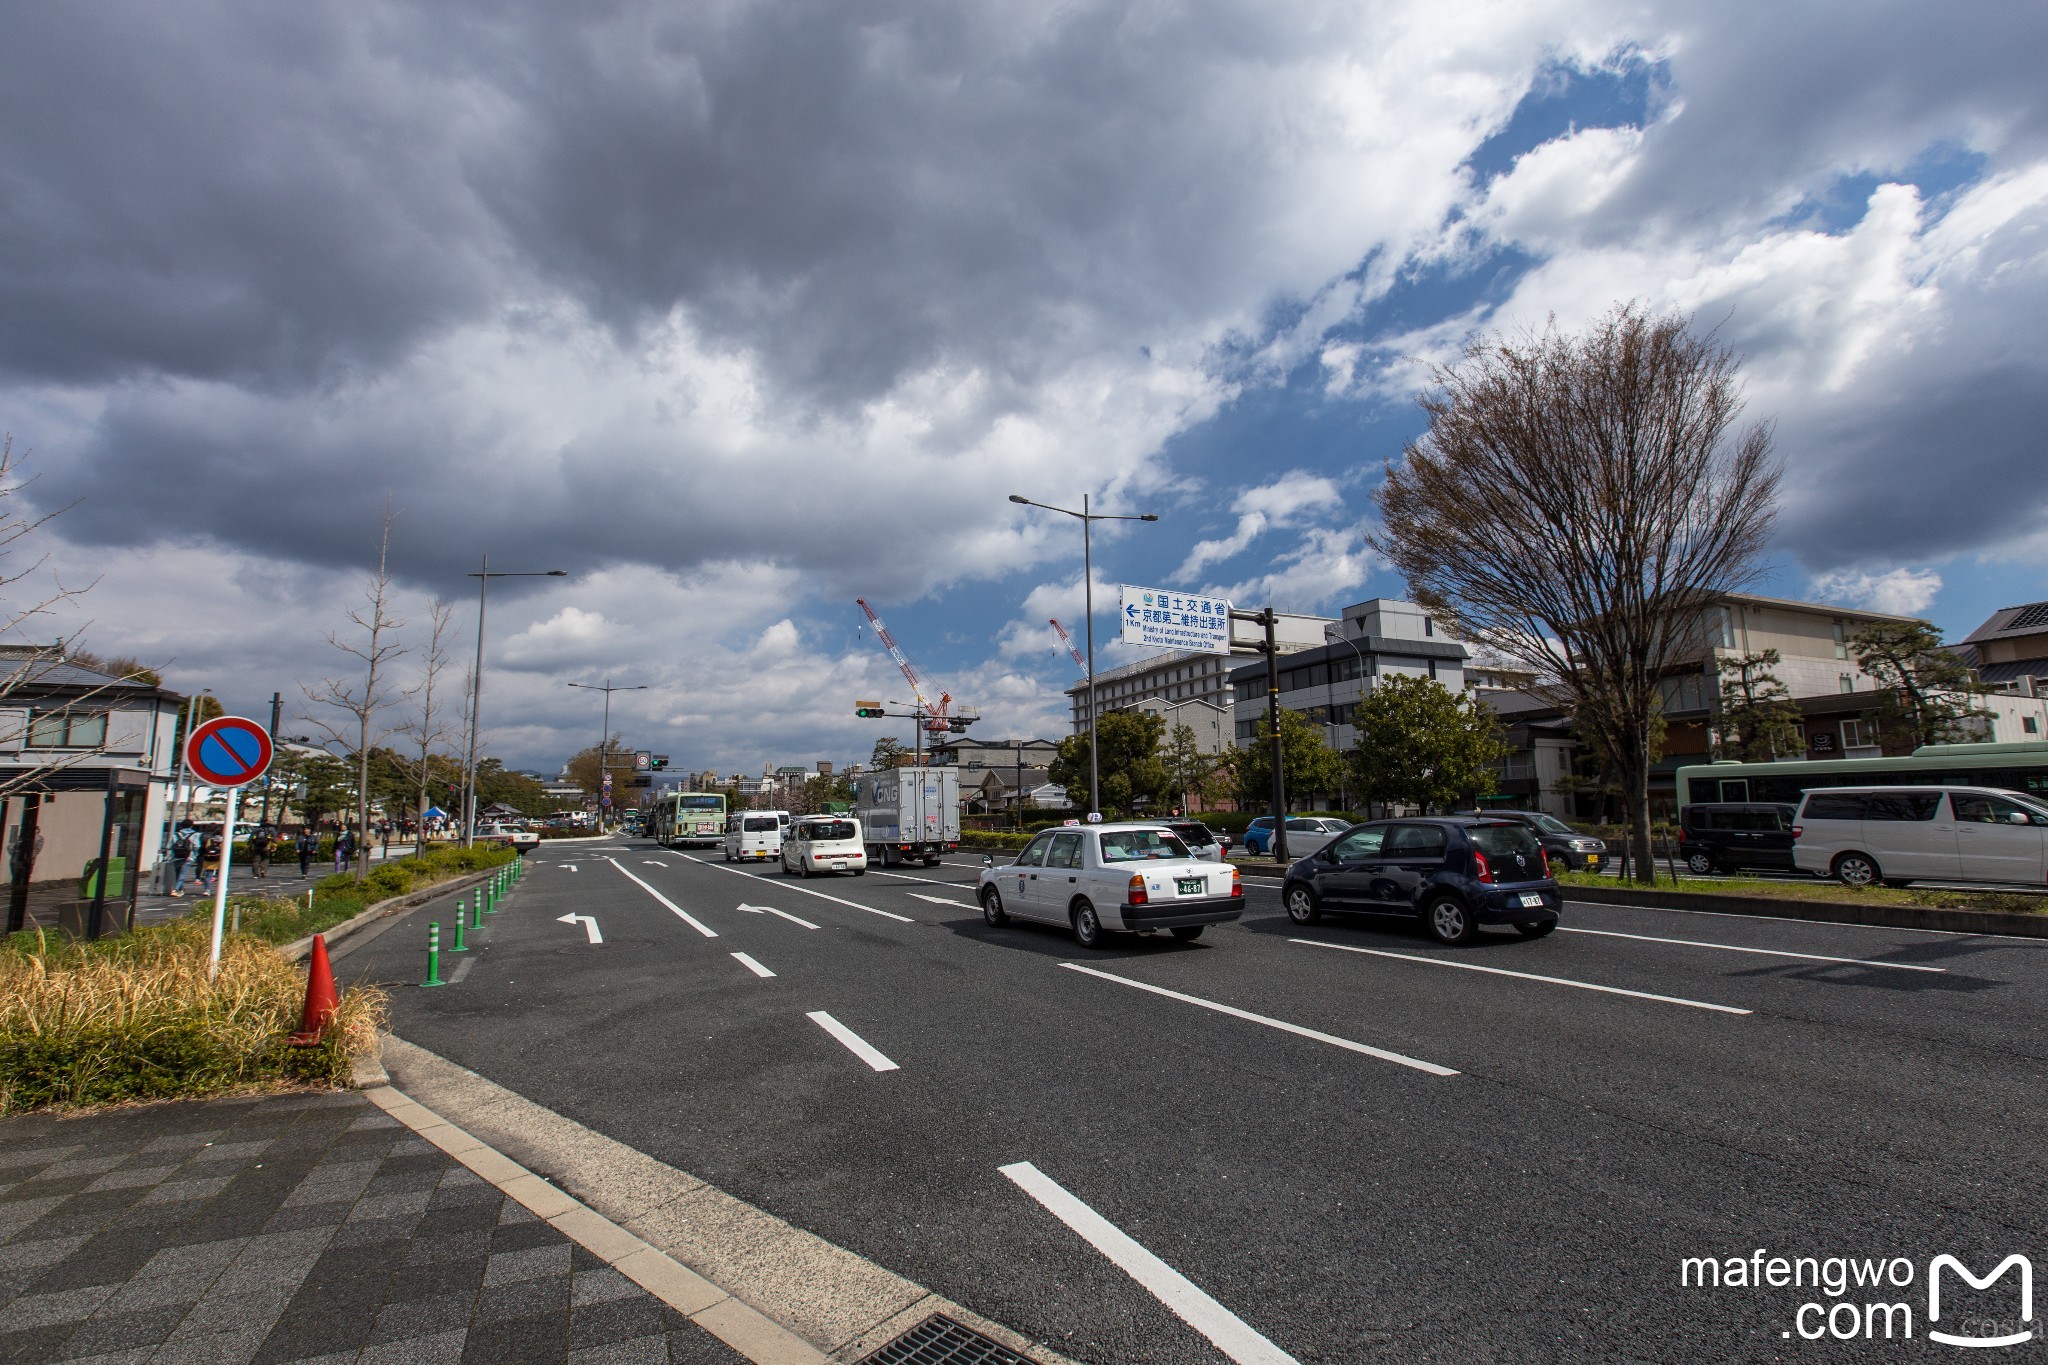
(909, 814)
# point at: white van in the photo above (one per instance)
(753, 834)
(1895, 835)
(824, 843)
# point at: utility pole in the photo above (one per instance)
(1020, 784)
(604, 735)
(276, 717)
(1268, 619)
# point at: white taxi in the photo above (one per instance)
(1102, 879)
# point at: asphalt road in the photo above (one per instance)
(1813, 1090)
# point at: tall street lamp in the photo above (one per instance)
(476, 687)
(1087, 518)
(1331, 633)
(604, 734)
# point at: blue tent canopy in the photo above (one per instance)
(435, 813)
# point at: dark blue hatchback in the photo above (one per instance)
(1452, 873)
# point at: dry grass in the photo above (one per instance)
(137, 1018)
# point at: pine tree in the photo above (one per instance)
(1759, 720)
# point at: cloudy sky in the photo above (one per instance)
(739, 310)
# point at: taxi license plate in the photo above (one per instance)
(1191, 886)
(1531, 900)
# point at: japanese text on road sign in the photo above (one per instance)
(1157, 619)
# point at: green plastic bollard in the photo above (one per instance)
(460, 915)
(433, 956)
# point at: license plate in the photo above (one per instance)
(1532, 901)
(1191, 886)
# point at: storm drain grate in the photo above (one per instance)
(939, 1340)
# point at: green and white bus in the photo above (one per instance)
(2019, 767)
(679, 819)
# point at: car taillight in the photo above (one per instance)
(1236, 882)
(1138, 895)
(1481, 869)
(1798, 830)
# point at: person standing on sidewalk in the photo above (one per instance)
(307, 844)
(184, 848)
(209, 860)
(260, 840)
(344, 850)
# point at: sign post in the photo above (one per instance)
(227, 752)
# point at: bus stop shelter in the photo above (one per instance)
(73, 840)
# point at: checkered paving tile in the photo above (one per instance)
(306, 1227)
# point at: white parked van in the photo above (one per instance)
(824, 843)
(753, 834)
(1894, 835)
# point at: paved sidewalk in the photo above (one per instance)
(301, 1227)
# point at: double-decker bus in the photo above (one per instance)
(684, 818)
(2019, 767)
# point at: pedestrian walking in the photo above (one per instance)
(210, 850)
(184, 849)
(385, 830)
(260, 840)
(307, 844)
(344, 850)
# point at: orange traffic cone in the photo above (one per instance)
(321, 997)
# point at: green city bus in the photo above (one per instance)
(679, 819)
(2020, 767)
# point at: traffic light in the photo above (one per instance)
(660, 762)
(868, 709)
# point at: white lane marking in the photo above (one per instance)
(1527, 976)
(461, 970)
(1431, 1067)
(568, 867)
(857, 1045)
(655, 862)
(1765, 952)
(685, 915)
(589, 923)
(902, 876)
(1796, 919)
(756, 968)
(941, 900)
(1229, 1333)
(771, 910)
(837, 900)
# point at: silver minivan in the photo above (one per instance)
(1895, 835)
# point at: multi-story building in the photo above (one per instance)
(2010, 651)
(1171, 679)
(1324, 684)
(967, 752)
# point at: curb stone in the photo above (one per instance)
(839, 1305)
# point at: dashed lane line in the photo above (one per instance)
(1762, 952)
(1527, 976)
(942, 900)
(756, 968)
(857, 1045)
(681, 913)
(1281, 1024)
(837, 900)
(1228, 1332)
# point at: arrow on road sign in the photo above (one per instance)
(589, 923)
(771, 910)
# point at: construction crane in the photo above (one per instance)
(1068, 641)
(934, 718)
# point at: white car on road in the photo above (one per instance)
(824, 843)
(1101, 879)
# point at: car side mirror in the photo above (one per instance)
(2020, 818)
(1326, 855)
(988, 860)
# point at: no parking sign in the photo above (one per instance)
(229, 752)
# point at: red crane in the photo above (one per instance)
(935, 719)
(1068, 641)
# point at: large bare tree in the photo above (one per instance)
(429, 728)
(374, 645)
(1577, 503)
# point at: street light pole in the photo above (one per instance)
(604, 734)
(476, 690)
(1331, 633)
(1088, 518)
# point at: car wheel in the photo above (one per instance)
(1187, 933)
(860, 872)
(787, 870)
(931, 862)
(1699, 863)
(1449, 922)
(1088, 930)
(992, 908)
(1302, 905)
(1857, 869)
(1540, 929)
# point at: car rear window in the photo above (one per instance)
(1137, 845)
(757, 824)
(828, 829)
(1504, 840)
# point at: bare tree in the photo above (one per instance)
(427, 729)
(363, 698)
(1576, 504)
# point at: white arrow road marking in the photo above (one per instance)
(589, 923)
(1332, 1039)
(1231, 1334)
(656, 862)
(568, 867)
(857, 1045)
(941, 900)
(756, 968)
(681, 913)
(836, 900)
(771, 910)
